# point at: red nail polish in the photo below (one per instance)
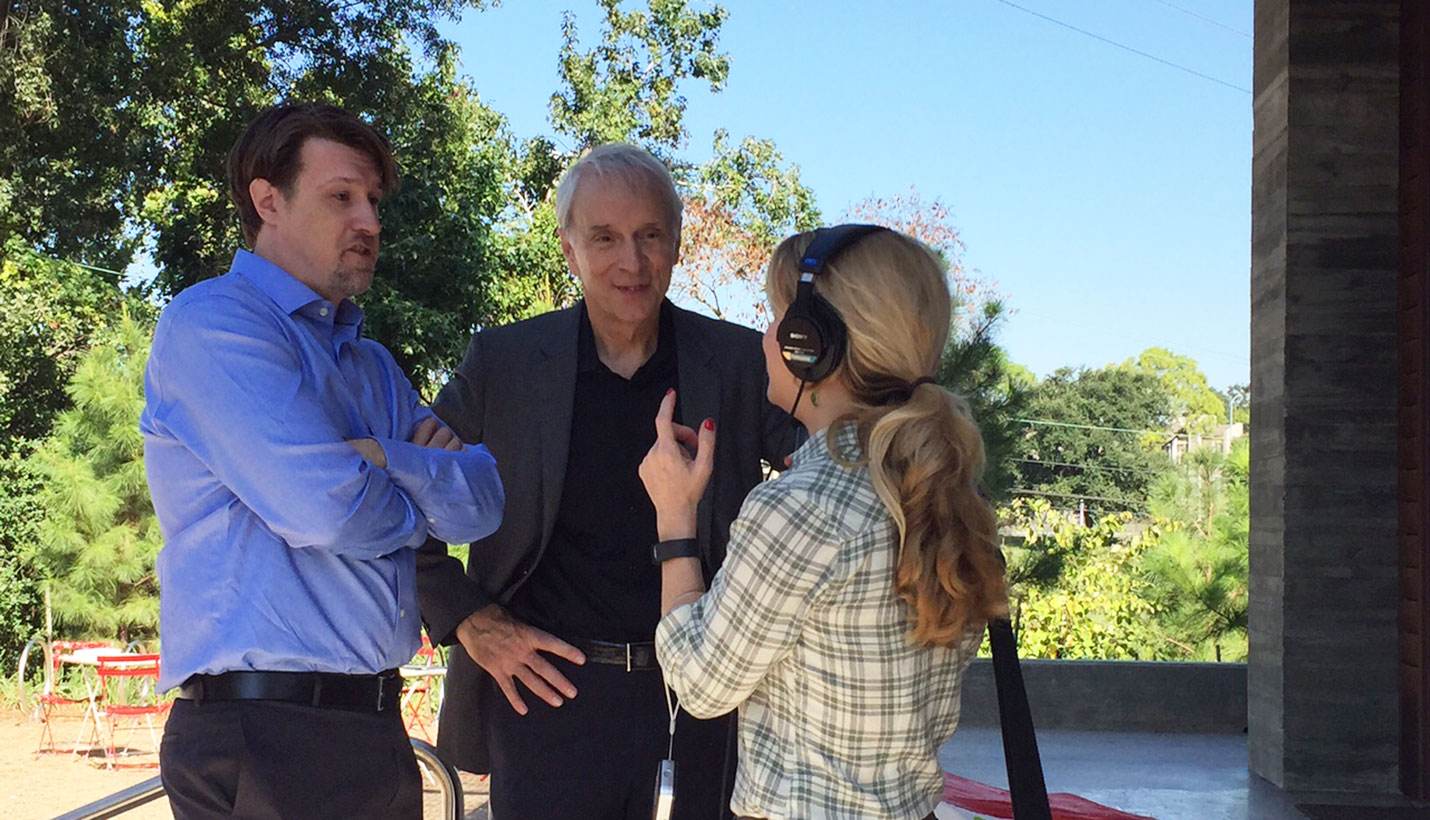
(671, 390)
(710, 424)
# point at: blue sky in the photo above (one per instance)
(1107, 195)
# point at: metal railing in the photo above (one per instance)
(152, 789)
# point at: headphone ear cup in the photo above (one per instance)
(801, 342)
(833, 336)
(811, 338)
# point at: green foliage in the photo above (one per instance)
(626, 88)
(48, 309)
(1197, 564)
(20, 600)
(98, 538)
(974, 366)
(1193, 404)
(1063, 456)
(118, 114)
(48, 312)
(1096, 608)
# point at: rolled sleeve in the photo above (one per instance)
(782, 557)
(224, 382)
(458, 492)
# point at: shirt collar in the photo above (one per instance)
(845, 444)
(287, 292)
(588, 360)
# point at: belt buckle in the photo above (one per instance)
(381, 689)
(628, 658)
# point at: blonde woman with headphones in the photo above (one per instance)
(858, 585)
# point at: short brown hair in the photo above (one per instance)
(271, 148)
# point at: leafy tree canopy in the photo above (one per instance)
(1194, 405)
(1093, 438)
(98, 538)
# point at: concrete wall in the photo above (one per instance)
(1118, 696)
(1322, 678)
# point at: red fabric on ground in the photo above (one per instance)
(981, 798)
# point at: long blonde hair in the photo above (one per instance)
(923, 449)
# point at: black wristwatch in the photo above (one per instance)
(676, 548)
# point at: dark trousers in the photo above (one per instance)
(595, 757)
(266, 760)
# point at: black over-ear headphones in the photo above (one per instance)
(812, 336)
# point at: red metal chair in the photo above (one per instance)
(422, 688)
(53, 705)
(122, 700)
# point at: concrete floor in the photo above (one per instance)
(1169, 777)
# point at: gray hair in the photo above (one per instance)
(629, 164)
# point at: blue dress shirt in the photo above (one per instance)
(284, 549)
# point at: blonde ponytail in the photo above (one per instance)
(923, 449)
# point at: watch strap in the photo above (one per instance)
(675, 548)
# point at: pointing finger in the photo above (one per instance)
(664, 416)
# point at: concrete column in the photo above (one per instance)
(1322, 691)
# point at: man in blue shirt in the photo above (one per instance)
(294, 470)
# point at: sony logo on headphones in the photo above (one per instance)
(797, 336)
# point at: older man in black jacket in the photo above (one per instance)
(561, 602)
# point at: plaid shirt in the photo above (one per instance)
(840, 715)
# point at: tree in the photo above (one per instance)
(626, 88)
(98, 539)
(49, 311)
(1084, 442)
(1095, 606)
(115, 114)
(932, 224)
(1194, 405)
(975, 367)
(738, 207)
(1197, 561)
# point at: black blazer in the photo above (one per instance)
(514, 392)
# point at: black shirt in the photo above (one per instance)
(595, 579)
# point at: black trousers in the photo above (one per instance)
(596, 756)
(266, 760)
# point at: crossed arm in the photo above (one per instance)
(226, 383)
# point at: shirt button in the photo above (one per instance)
(402, 613)
(431, 521)
(322, 311)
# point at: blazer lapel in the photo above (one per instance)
(697, 399)
(553, 397)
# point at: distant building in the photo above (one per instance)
(1181, 442)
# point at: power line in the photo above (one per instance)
(1205, 19)
(1110, 42)
(1048, 423)
(1126, 502)
(1085, 466)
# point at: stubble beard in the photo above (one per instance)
(353, 280)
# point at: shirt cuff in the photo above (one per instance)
(673, 644)
(457, 492)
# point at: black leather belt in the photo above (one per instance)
(363, 693)
(633, 656)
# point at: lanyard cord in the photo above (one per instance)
(801, 434)
(672, 710)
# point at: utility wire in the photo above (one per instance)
(1123, 501)
(1047, 423)
(1085, 466)
(79, 264)
(1204, 19)
(1153, 57)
